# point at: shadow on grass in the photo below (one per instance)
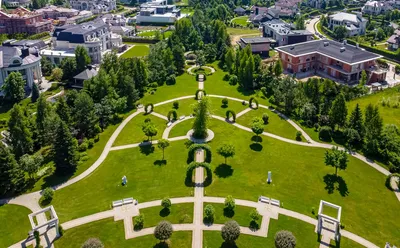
(229, 212)
(146, 149)
(229, 245)
(334, 182)
(208, 221)
(160, 162)
(254, 225)
(161, 245)
(256, 138)
(165, 212)
(137, 227)
(224, 106)
(256, 147)
(223, 171)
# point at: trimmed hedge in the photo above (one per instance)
(173, 113)
(387, 183)
(139, 40)
(253, 99)
(392, 55)
(233, 115)
(192, 166)
(146, 107)
(194, 147)
(197, 94)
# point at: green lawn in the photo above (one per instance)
(179, 214)
(137, 51)
(242, 21)
(15, 224)
(132, 133)
(112, 235)
(148, 179)
(147, 33)
(240, 31)
(276, 124)
(185, 107)
(189, 11)
(181, 129)
(304, 233)
(301, 180)
(390, 115)
(241, 216)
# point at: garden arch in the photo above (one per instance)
(192, 166)
(198, 92)
(147, 107)
(252, 99)
(231, 112)
(193, 148)
(173, 113)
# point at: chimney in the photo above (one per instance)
(24, 51)
(256, 11)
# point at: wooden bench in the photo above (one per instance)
(117, 203)
(275, 202)
(264, 199)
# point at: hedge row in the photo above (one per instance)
(389, 54)
(139, 40)
(38, 36)
(189, 173)
(194, 147)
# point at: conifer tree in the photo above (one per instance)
(65, 150)
(11, 177)
(20, 134)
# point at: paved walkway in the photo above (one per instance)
(189, 70)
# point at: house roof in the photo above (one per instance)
(86, 74)
(77, 33)
(342, 16)
(239, 9)
(9, 54)
(255, 40)
(394, 39)
(345, 53)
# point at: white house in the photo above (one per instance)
(354, 23)
(96, 6)
(158, 12)
(376, 7)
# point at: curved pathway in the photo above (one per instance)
(189, 70)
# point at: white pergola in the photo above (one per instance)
(322, 217)
(53, 222)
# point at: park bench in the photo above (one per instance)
(117, 203)
(275, 202)
(264, 199)
(127, 201)
(182, 117)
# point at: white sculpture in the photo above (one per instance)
(269, 177)
(124, 180)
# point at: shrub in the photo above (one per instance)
(298, 135)
(226, 77)
(60, 230)
(171, 80)
(209, 212)
(255, 217)
(47, 195)
(230, 203)
(90, 143)
(139, 222)
(163, 231)
(233, 80)
(84, 146)
(93, 243)
(316, 126)
(285, 239)
(166, 203)
(325, 133)
(244, 103)
(230, 231)
(57, 74)
(224, 101)
(175, 105)
(265, 118)
(37, 238)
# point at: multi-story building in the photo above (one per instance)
(282, 33)
(96, 6)
(25, 60)
(54, 12)
(118, 25)
(394, 41)
(259, 45)
(330, 59)
(158, 12)
(22, 20)
(376, 7)
(354, 23)
(94, 36)
(17, 3)
(318, 4)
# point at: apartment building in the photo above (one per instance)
(22, 20)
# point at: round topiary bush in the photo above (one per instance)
(171, 80)
(47, 196)
(163, 231)
(224, 102)
(173, 113)
(233, 80)
(166, 203)
(285, 239)
(230, 231)
(325, 133)
(226, 77)
(93, 243)
(252, 99)
(298, 136)
(265, 118)
(175, 105)
(209, 212)
(139, 222)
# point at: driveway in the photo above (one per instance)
(310, 25)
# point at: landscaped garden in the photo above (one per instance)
(240, 21)
(176, 214)
(14, 224)
(137, 51)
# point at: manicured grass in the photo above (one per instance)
(14, 224)
(112, 234)
(301, 180)
(304, 233)
(185, 85)
(241, 216)
(167, 34)
(218, 109)
(132, 133)
(276, 124)
(147, 33)
(148, 179)
(389, 115)
(239, 31)
(179, 214)
(136, 51)
(181, 129)
(185, 107)
(189, 11)
(242, 20)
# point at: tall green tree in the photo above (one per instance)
(340, 32)
(179, 58)
(12, 177)
(150, 130)
(20, 134)
(35, 93)
(336, 158)
(300, 23)
(229, 59)
(363, 79)
(65, 147)
(338, 112)
(46, 66)
(63, 110)
(13, 87)
(226, 151)
(200, 124)
(356, 121)
(373, 129)
(85, 115)
(82, 58)
(31, 164)
(162, 144)
(68, 65)
(278, 68)
(45, 122)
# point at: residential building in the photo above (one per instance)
(24, 60)
(354, 23)
(22, 20)
(338, 61)
(118, 24)
(260, 14)
(96, 6)
(39, 44)
(376, 7)
(17, 3)
(318, 4)
(54, 12)
(94, 36)
(287, 8)
(158, 12)
(259, 45)
(87, 74)
(394, 41)
(83, 15)
(239, 11)
(283, 34)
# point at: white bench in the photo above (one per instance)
(117, 203)
(264, 199)
(182, 117)
(127, 201)
(275, 202)
(169, 124)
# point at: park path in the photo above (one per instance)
(197, 236)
